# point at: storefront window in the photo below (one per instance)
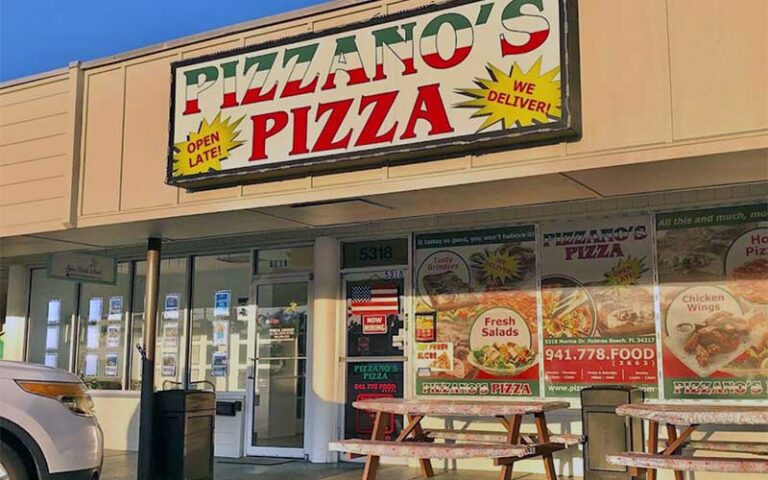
(222, 320)
(102, 329)
(476, 321)
(53, 306)
(171, 325)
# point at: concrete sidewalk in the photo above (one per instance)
(122, 466)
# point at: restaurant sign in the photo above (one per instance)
(443, 80)
(82, 267)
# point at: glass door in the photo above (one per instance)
(375, 346)
(277, 378)
(52, 325)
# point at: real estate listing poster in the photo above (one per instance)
(54, 311)
(481, 286)
(168, 367)
(713, 275)
(220, 364)
(111, 367)
(597, 303)
(95, 307)
(115, 309)
(113, 336)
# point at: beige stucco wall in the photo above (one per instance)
(661, 79)
(647, 69)
(37, 154)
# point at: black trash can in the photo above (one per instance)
(607, 433)
(183, 435)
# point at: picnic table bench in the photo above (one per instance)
(413, 441)
(690, 418)
(479, 436)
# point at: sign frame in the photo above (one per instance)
(54, 259)
(566, 129)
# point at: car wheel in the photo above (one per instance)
(11, 464)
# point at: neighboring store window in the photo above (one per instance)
(102, 331)
(53, 305)
(171, 324)
(223, 326)
(284, 260)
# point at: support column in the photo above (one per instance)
(16, 312)
(148, 360)
(323, 360)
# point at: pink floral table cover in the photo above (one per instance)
(429, 450)
(677, 414)
(696, 464)
(458, 408)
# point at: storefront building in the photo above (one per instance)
(500, 199)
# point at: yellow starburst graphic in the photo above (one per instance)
(517, 99)
(626, 272)
(501, 267)
(204, 150)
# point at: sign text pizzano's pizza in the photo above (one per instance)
(455, 77)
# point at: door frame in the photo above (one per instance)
(365, 274)
(280, 452)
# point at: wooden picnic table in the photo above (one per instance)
(689, 418)
(414, 442)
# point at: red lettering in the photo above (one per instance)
(515, 21)
(338, 112)
(294, 88)
(409, 68)
(192, 106)
(356, 77)
(254, 95)
(382, 105)
(429, 106)
(300, 127)
(535, 40)
(230, 100)
(262, 131)
(522, 87)
(436, 61)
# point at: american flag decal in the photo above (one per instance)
(368, 300)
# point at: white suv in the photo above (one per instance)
(47, 427)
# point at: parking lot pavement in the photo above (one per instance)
(122, 466)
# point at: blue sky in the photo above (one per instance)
(41, 35)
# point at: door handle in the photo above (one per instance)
(253, 375)
(256, 397)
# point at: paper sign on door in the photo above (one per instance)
(374, 324)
